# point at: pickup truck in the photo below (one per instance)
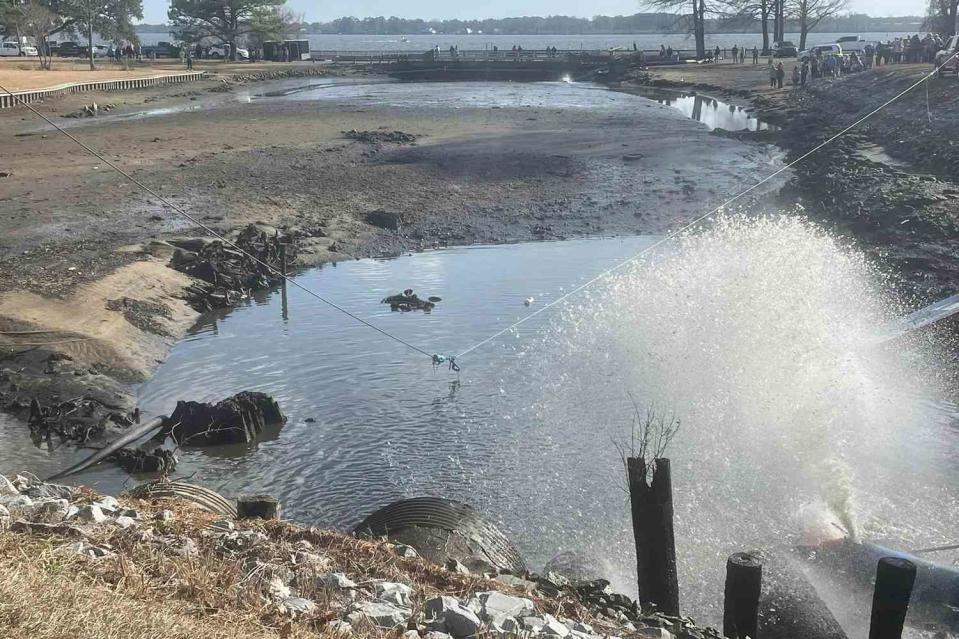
(948, 59)
(13, 49)
(162, 50)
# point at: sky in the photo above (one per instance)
(325, 10)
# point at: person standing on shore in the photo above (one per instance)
(735, 54)
(804, 73)
(742, 55)
(755, 55)
(717, 54)
(772, 74)
(796, 78)
(189, 58)
(780, 75)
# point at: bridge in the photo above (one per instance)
(489, 64)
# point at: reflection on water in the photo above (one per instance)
(713, 113)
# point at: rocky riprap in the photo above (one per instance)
(326, 579)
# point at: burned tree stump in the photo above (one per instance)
(235, 420)
(652, 511)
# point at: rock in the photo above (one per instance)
(223, 525)
(4, 517)
(17, 504)
(395, 593)
(411, 634)
(451, 616)
(496, 604)
(516, 582)
(92, 513)
(164, 515)
(125, 522)
(533, 624)
(435, 634)
(579, 626)
(406, 551)
(554, 627)
(455, 566)
(336, 580)
(51, 491)
(297, 605)
(505, 625)
(51, 510)
(236, 420)
(107, 504)
(380, 614)
(340, 627)
(85, 549)
(6, 487)
(655, 633)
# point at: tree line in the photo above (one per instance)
(228, 22)
(655, 22)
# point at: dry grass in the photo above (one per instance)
(149, 590)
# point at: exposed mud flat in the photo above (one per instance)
(491, 163)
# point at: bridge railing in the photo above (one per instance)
(526, 55)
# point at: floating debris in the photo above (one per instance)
(409, 301)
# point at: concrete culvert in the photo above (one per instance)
(442, 529)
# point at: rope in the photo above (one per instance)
(695, 222)
(209, 230)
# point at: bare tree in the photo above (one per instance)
(810, 13)
(37, 21)
(696, 17)
(941, 17)
(744, 13)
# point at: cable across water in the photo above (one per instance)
(709, 214)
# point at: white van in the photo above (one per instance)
(825, 49)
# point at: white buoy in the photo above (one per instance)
(528, 301)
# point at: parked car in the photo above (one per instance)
(69, 50)
(784, 49)
(99, 51)
(14, 49)
(821, 50)
(161, 49)
(858, 44)
(948, 59)
(223, 51)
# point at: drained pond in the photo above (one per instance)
(760, 337)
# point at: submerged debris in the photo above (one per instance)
(227, 275)
(235, 420)
(134, 460)
(75, 420)
(376, 137)
(409, 301)
(91, 110)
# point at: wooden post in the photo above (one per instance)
(652, 510)
(283, 259)
(257, 506)
(744, 578)
(890, 600)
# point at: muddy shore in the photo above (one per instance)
(85, 255)
(891, 185)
